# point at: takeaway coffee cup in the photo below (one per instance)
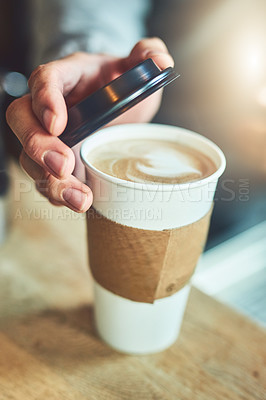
(144, 242)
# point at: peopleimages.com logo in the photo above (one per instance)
(231, 190)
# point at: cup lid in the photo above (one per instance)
(114, 99)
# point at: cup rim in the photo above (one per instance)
(154, 186)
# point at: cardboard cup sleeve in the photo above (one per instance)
(143, 265)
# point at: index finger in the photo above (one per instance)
(51, 83)
(48, 84)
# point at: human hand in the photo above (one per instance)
(38, 118)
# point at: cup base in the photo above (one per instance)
(138, 328)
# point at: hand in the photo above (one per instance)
(39, 117)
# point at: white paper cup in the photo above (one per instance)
(126, 325)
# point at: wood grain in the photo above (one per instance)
(48, 345)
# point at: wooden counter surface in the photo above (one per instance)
(48, 346)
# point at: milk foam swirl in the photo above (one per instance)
(151, 161)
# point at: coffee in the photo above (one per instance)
(151, 161)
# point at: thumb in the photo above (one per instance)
(153, 48)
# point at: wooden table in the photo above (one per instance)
(48, 346)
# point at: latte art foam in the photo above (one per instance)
(151, 161)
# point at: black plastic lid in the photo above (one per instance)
(114, 99)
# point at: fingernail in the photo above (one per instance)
(55, 161)
(168, 58)
(152, 53)
(75, 198)
(49, 120)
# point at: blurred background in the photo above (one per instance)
(219, 49)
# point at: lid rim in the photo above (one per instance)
(86, 126)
